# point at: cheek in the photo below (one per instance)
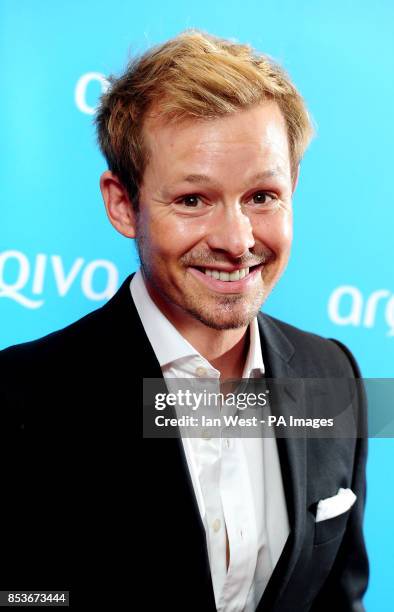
(275, 231)
(178, 235)
(169, 237)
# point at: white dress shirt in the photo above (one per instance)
(237, 481)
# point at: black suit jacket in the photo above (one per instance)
(88, 505)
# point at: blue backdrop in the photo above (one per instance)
(59, 256)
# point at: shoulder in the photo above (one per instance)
(305, 348)
(84, 338)
(69, 337)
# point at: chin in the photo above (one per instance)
(220, 325)
(228, 317)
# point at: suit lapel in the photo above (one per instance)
(289, 400)
(173, 460)
(149, 367)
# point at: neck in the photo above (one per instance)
(231, 363)
(225, 349)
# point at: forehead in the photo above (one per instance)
(254, 137)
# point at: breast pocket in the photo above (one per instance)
(330, 529)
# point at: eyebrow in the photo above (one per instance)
(196, 179)
(204, 178)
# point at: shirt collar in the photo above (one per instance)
(169, 345)
(254, 365)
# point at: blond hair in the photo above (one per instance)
(194, 75)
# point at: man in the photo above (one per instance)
(203, 139)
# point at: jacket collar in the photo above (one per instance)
(126, 330)
(279, 354)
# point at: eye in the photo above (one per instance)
(189, 201)
(263, 199)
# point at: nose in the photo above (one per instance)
(231, 232)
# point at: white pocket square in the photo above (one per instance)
(335, 505)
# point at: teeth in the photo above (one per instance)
(227, 276)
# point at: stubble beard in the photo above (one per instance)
(219, 313)
(228, 312)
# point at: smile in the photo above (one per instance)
(227, 276)
(226, 281)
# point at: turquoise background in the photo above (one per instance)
(341, 56)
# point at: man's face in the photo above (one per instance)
(214, 228)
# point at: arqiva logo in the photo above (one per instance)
(37, 272)
(348, 306)
(82, 88)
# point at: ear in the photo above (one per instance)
(295, 180)
(119, 209)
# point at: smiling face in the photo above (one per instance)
(214, 226)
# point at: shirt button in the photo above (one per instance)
(200, 371)
(205, 434)
(216, 525)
